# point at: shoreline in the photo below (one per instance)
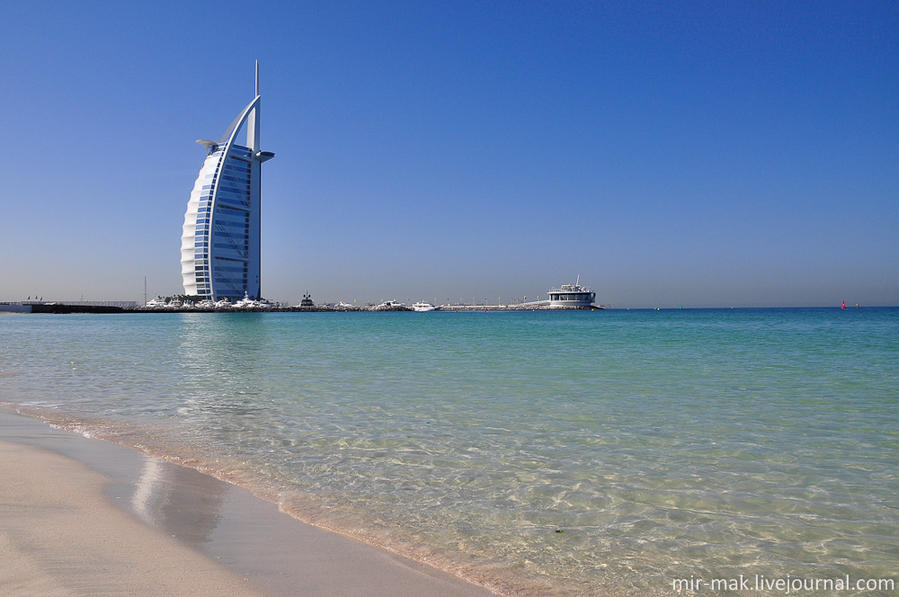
(167, 521)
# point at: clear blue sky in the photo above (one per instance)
(670, 153)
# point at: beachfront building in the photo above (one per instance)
(220, 240)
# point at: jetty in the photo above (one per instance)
(567, 297)
(60, 308)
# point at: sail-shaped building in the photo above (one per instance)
(220, 241)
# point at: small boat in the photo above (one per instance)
(422, 307)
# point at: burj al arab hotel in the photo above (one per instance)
(221, 235)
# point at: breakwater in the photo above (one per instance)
(64, 308)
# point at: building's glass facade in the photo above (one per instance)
(220, 238)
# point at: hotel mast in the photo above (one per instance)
(220, 254)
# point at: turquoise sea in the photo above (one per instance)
(535, 452)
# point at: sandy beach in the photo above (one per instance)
(85, 517)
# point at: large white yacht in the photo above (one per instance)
(156, 303)
(571, 296)
(247, 304)
(423, 307)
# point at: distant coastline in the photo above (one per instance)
(102, 307)
(70, 308)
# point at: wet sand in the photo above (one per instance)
(85, 517)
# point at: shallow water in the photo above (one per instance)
(663, 445)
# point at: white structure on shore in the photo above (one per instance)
(220, 241)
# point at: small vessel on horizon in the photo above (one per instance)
(423, 307)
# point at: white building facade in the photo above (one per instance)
(220, 240)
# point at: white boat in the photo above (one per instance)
(156, 303)
(246, 303)
(205, 304)
(387, 305)
(571, 296)
(422, 307)
(222, 304)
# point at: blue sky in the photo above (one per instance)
(694, 154)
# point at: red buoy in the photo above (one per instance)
(844, 304)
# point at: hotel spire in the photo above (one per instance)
(253, 124)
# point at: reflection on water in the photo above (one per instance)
(221, 358)
(182, 502)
